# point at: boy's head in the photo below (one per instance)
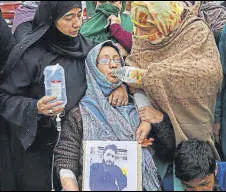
(196, 165)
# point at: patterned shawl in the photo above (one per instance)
(103, 122)
(212, 12)
(184, 75)
(166, 17)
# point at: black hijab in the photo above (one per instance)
(57, 45)
(44, 27)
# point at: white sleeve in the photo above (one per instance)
(141, 99)
(67, 173)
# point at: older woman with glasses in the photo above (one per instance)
(98, 120)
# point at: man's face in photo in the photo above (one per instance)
(109, 157)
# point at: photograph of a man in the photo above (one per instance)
(107, 176)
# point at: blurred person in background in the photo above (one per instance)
(6, 169)
(24, 15)
(109, 23)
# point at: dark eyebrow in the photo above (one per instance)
(105, 55)
(188, 186)
(70, 14)
(204, 183)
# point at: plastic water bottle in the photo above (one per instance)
(55, 83)
(129, 74)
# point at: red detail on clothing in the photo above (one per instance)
(122, 36)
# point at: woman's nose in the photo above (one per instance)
(77, 23)
(113, 64)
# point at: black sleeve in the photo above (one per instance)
(69, 150)
(6, 41)
(16, 107)
(165, 141)
(22, 31)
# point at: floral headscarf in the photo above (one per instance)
(165, 16)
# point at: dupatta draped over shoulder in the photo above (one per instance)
(183, 77)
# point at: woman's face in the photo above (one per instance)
(70, 23)
(108, 60)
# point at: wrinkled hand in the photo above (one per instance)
(49, 109)
(119, 97)
(69, 184)
(150, 115)
(216, 132)
(114, 20)
(142, 134)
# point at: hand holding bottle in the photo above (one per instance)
(46, 106)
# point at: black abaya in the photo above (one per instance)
(34, 135)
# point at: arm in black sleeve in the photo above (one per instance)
(165, 142)
(16, 107)
(68, 151)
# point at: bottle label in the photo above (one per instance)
(56, 89)
(129, 74)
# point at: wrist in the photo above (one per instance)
(158, 118)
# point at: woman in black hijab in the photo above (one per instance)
(55, 39)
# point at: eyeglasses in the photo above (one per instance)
(106, 61)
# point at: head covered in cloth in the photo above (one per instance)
(46, 17)
(158, 19)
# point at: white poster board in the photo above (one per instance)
(112, 166)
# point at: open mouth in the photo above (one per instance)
(74, 33)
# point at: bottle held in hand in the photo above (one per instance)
(131, 75)
(55, 83)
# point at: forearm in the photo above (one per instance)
(68, 151)
(122, 36)
(141, 99)
(68, 180)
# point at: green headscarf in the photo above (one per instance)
(97, 28)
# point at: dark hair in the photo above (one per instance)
(111, 147)
(194, 159)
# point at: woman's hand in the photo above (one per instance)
(114, 20)
(69, 184)
(142, 134)
(119, 97)
(49, 109)
(134, 86)
(150, 115)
